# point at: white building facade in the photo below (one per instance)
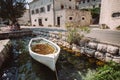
(86, 4)
(38, 11)
(110, 13)
(54, 12)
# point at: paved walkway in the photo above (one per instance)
(102, 35)
(107, 36)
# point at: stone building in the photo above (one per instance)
(25, 19)
(86, 4)
(57, 13)
(110, 14)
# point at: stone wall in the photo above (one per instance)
(90, 47)
(102, 51)
(15, 34)
(5, 47)
(46, 16)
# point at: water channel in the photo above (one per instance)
(20, 65)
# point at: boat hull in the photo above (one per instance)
(50, 59)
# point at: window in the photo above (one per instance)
(70, 18)
(35, 20)
(48, 7)
(70, 7)
(76, 7)
(83, 1)
(62, 6)
(37, 10)
(116, 14)
(32, 11)
(93, 6)
(42, 9)
(79, 2)
(99, 5)
(88, 1)
(45, 19)
(83, 18)
(69, 0)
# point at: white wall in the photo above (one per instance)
(44, 15)
(108, 7)
(65, 3)
(62, 16)
(90, 4)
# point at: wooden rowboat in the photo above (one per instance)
(48, 59)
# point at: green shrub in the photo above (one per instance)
(110, 71)
(90, 75)
(75, 32)
(73, 36)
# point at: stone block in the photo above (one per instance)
(116, 59)
(64, 38)
(83, 42)
(75, 48)
(119, 52)
(112, 49)
(90, 52)
(60, 42)
(82, 50)
(102, 47)
(92, 45)
(108, 57)
(99, 55)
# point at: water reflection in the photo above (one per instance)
(22, 67)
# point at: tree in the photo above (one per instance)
(12, 9)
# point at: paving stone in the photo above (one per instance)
(99, 55)
(116, 59)
(90, 52)
(102, 47)
(108, 57)
(112, 49)
(92, 45)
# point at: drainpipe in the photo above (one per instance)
(54, 16)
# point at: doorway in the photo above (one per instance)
(58, 21)
(40, 22)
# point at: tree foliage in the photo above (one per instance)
(95, 12)
(12, 9)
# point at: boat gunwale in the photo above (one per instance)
(48, 55)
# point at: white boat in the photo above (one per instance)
(49, 59)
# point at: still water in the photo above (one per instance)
(20, 65)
